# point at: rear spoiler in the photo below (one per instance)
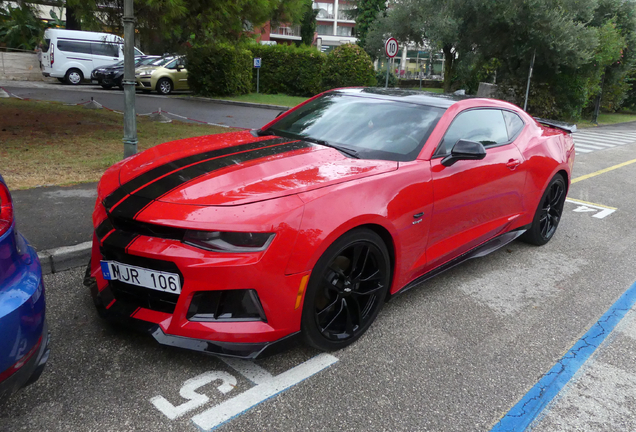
(569, 128)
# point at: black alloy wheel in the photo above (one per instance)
(548, 214)
(346, 290)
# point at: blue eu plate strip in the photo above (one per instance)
(539, 396)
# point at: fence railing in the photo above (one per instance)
(286, 30)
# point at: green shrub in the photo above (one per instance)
(291, 70)
(348, 66)
(380, 77)
(219, 70)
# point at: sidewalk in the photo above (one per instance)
(54, 219)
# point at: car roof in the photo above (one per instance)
(403, 95)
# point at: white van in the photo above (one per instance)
(71, 55)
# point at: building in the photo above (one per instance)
(333, 24)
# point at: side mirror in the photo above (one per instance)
(179, 67)
(465, 150)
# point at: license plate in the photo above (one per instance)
(153, 279)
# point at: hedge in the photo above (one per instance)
(219, 70)
(348, 66)
(288, 69)
(225, 70)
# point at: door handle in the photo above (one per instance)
(513, 163)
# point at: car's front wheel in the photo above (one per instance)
(164, 86)
(346, 290)
(548, 214)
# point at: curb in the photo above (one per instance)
(65, 258)
(246, 104)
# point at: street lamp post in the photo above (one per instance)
(130, 121)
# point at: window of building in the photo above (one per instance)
(344, 31)
(325, 10)
(326, 30)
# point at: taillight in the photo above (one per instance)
(6, 209)
(52, 56)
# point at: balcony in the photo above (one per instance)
(291, 32)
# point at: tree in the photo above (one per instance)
(365, 13)
(171, 23)
(308, 23)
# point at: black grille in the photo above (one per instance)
(147, 229)
(139, 296)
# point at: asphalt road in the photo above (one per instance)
(454, 354)
(180, 104)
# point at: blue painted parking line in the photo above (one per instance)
(549, 386)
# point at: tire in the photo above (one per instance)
(346, 290)
(106, 86)
(548, 214)
(61, 80)
(74, 77)
(164, 86)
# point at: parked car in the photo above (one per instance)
(71, 55)
(234, 243)
(164, 77)
(113, 75)
(24, 336)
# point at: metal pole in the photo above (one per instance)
(525, 104)
(130, 120)
(258, 79)
(386, 84)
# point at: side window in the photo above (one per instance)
(486, 126)
(105, 49)
(514, 124)
(172, 64)
(137, 52)
(73, 46)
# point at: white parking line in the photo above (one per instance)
(231, 408)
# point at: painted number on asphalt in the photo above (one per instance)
(599, 211)
(266, 386)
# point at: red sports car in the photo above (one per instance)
(236, 243)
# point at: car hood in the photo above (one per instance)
(146, 68)
(237, 168)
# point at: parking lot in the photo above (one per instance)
(454, 354)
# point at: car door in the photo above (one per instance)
(474, 200)
(181, 76)
(104, 53)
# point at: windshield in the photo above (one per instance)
(162, 61)
(146, 61)
(374, 128)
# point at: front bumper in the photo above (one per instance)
(207, 279)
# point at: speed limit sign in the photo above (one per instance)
(391, 47)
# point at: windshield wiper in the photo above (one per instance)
(347, 151)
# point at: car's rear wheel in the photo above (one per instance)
(346, 290)
(74, 76)
(106, 86)
(61, 80)
(164, 86)
(548, 214)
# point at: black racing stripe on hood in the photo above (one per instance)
(153, 174)
(132, 205)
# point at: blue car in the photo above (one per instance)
(24, 336)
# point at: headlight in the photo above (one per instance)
(229, 241)
(145, 73)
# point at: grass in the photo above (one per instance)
(608, 119)
(53, 144)
(269, 99)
